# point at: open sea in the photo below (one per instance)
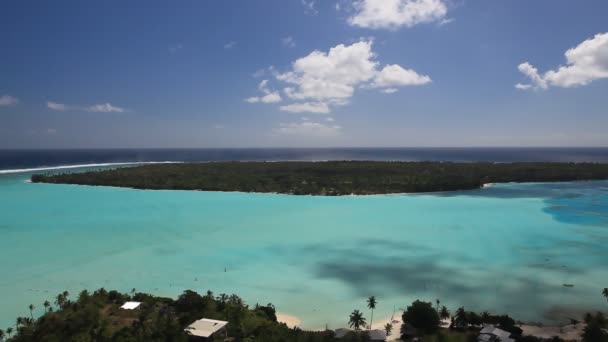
(508, 248)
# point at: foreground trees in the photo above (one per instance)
(422, 316)
(595, 331)
(356, 320)
(97, 317)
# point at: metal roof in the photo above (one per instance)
(205, 327)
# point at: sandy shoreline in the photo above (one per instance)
(571, 332)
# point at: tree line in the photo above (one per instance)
(328, 178)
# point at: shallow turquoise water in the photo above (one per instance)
(505, 249)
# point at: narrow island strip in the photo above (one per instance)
(333, 178)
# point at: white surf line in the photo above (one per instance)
(80, 166)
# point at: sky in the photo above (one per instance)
(303, 73)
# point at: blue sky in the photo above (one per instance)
(278, 73)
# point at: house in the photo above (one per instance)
(375, 335)
(490, 333)
(206, 328)
(130, 305)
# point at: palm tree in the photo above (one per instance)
(371, 304)
(388, 328)
(19, 322)
(32, 307)
(46, 304)
(444, 313)
(9, 331)
(485, 317)
(60, 300)
(356, 320)
(461, 318)
(2, 335)
(605, 292)
(437, 301)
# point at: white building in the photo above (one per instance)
(205, 328)
(490, 333)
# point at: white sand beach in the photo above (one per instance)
(572, 332)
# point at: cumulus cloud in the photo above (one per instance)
(393, 14)
(230, 45)
(288, 42)
(310, 6)
(308, 128)
(97, 108)
(308, 107)
(586, 63)
(56, 106)
(394, 75)
(390, 90)
(105, 108)
(268, 97)
(323, 79)
(175, 48)
(7, 100)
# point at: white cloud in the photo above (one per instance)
(445, 21)
(523, 86)
(51, 131)
(390, 90)
(288, 42)
(273, 97)
(532, 73)
(586, 63)
(7, 100)
(175, 48)
(56, 106)
(330, 119)
(230, 45)
(310, 6)
(268, 97)
(105, 108)
(394, 75)
(97, 108)
(308, 128)
(392, 14)
(323, 79)
(306, 107)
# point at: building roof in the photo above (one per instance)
(374, 335)
(377, 335)
(205, 327)
(130, 305)
(490, 330)
(341, 332)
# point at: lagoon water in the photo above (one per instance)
(506, 249)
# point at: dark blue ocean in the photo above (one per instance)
(23, 159)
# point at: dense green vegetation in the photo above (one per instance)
(329, 178)
(97, 317)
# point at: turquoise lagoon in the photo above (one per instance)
(506, 249)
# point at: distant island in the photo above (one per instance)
(333, 178)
